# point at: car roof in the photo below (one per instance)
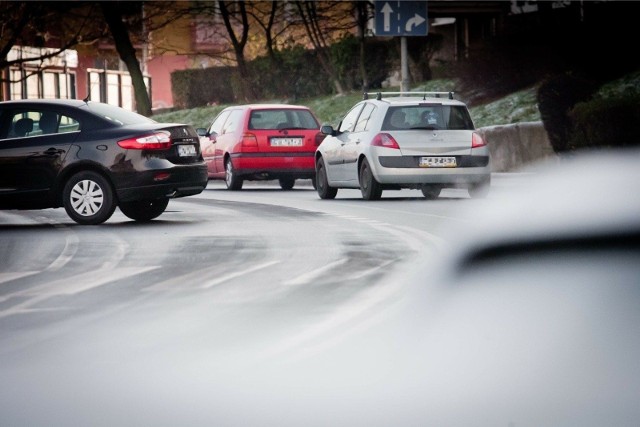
(408, 101)
(50, 102)
(268, 107)
(412, 98)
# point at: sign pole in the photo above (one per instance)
(404, 65)
(394, 18)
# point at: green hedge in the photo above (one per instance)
(606, 122)
(293, 74)
(200, 87)
(556, 98)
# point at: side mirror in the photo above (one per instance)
(327, 130)
(201, 131)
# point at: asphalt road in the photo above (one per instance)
(220, 278)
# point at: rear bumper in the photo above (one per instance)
(174, 182)
(470, 170)
(301, 165)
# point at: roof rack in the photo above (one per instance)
(424, 95)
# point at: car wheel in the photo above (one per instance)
(287, 183)
(314, 182)
(88, 198)
(480, 190)
(233, 181)
(370, 188)
(144, 210)
(322, 183)
(431, 192)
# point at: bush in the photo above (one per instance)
(199, 87)
(556, 97)
(292, 74)
(609, 123)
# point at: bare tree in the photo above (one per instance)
(363, 12)
(40, 25)
(114, 17)
(323, 22)
(235, 18)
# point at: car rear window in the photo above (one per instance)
(427, 116)
(282, 119)
(118, 115)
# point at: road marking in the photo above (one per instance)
(70, 286)
(7, 277)
(314, 274)
(231, 276)
(364, 273)
(359, 311)
(70, 249)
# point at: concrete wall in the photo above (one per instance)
(516, 145)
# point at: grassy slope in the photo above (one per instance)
(517, 107)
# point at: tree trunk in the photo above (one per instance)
(362, 17)
(127, 52)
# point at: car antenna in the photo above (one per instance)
(86, 100)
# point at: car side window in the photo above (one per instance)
(363, 119)
(349, 121)
(51, 122)
(216, 126)
(36, 123)
(458, 118)
(232, 123)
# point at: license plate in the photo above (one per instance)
(186, 150)
(438, 162)
(286, 142)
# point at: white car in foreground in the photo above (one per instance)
(422, 140)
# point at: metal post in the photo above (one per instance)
(404, 65)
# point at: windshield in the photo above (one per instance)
(428, 116)
(118, 115)
(282, 119)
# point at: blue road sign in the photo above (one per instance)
(401, 18)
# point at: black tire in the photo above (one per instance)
(287, 183)
(233, 181)
(144, 210)
(88, 198)
(322, 183)
(431, 192)
(370, 188)
(314, 182)
(480, 190)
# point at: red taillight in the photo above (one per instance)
(320, 137)
(385, 140)
(477, 141)
(160, 140)
(249, 142)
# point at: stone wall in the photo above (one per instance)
(515, 145)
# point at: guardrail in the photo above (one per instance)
(516, 145)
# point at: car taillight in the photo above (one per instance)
(249, 142)
(477, 141)
(385, 140)
(320, 137)
(160, 140)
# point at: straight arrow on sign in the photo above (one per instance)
(387, 10)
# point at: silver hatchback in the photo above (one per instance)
(422, 140)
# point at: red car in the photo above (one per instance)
(261, 142)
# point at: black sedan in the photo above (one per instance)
(92, 157)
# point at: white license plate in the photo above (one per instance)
(286, 142)
(438, 162)
(186, 150)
